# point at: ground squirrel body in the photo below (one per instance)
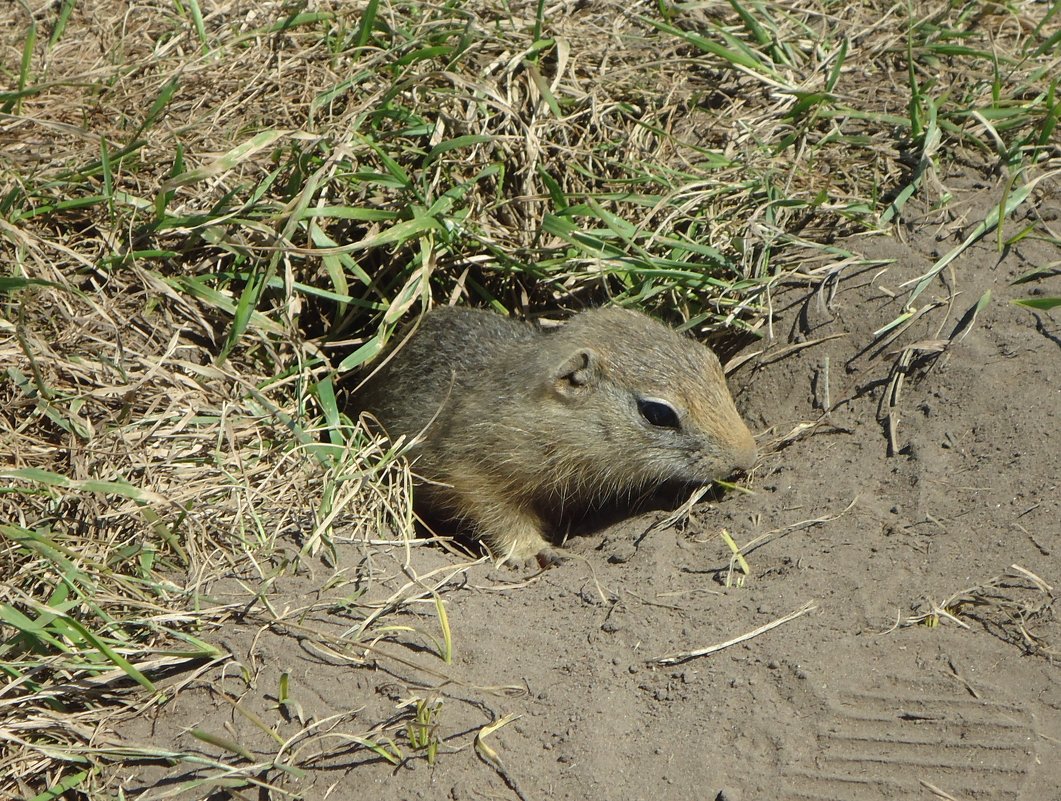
(517, 423)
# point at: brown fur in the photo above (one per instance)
(517, 423)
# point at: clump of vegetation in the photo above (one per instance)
(209, 211)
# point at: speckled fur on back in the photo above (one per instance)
(518, 423)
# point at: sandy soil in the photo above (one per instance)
(855, 699)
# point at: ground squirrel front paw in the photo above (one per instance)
(515, 539)
(545, 559)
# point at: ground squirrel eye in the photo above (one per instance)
(658, 413)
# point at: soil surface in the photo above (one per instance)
(925, 664)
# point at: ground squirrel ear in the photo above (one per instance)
(578, 372)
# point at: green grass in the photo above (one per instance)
(205, 225)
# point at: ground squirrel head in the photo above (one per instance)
(639, 403)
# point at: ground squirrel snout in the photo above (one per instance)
(517, 423)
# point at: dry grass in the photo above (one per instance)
(206, 206)
(135, 475)
(1016, 607)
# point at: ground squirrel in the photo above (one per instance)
(517, 423)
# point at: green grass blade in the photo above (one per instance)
(15, 100)
(108, 175)
(457, 143)
(1041, 304)
(368, 22)
(158, 105)
(65, 10)
(99, 644)
(1005, 209)
(227, 161)
(224, 743)
(200, 26)
(838, 65)
(60, 789)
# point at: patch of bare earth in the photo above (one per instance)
(927, 667)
